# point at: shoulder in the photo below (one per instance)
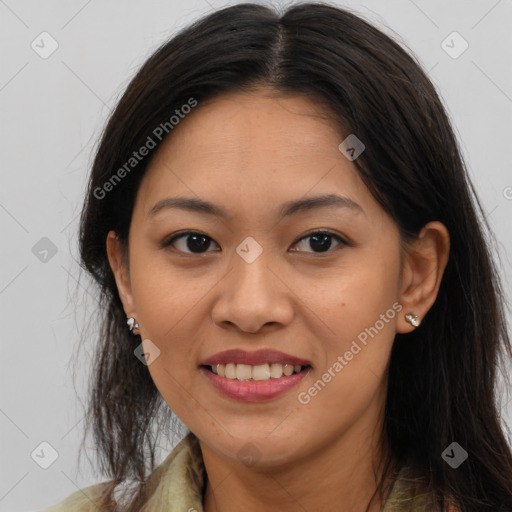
(83, 500)
(410, 494)
(179, 479)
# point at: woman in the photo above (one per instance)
(279, 211)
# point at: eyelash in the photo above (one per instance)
(184, 234)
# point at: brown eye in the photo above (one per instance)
(192, 242)
(321, 241)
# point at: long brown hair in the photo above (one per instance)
(442, 376)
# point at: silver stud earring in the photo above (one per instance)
(412, 319)
(132, 324)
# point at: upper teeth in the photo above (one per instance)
(256, 372)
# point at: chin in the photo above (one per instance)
(258, 450)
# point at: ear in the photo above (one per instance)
(119, 266)
(424, 263)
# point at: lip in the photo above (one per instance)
(262, 356)
(254, 391)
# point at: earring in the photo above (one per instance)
(412, 319)
(132, 324)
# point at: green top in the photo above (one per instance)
(176, 485)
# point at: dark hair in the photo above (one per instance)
(442, 376)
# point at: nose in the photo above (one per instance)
(253, 296)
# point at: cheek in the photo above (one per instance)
(353, 298)
(166, 297)
(353, 375)
(169, 310)
(358, 306)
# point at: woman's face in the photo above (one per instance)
(260, 277)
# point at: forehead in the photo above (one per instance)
(259, 145)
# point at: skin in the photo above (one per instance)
(249, 153)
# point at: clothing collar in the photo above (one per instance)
(178, 484)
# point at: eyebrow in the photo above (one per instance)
(287, 209)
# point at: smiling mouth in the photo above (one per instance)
(259, 372)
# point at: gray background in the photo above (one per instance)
(52, 111)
